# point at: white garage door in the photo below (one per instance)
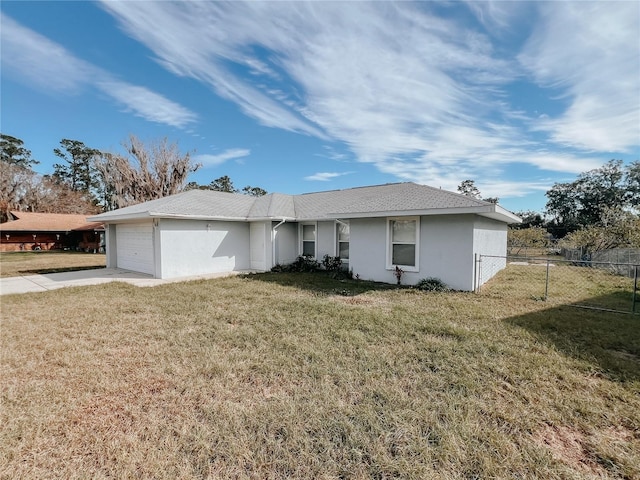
(135, 247)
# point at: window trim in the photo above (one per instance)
(301, 238)
(390, 243)
(338, 242)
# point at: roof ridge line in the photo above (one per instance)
(353, 188)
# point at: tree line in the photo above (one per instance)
(597, 211)
(88, 181)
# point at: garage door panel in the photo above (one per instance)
(135, 247)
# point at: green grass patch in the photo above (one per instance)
(591, 287)
(302, 376)
(14, 264)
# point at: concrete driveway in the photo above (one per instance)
(52, 281)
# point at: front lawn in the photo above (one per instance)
(300, 376)
(14, 264)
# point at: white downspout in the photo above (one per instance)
(273, 242)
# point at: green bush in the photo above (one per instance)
(302, 264)
(432, 284)
(307, 264)
(331, 264)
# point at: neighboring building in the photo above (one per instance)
(49, 231)
(427, 232)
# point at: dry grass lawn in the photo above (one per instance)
(15, 264)
(278, 376)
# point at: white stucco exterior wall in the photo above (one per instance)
(367, 249)
(446, 250)
(326, 239)
(110, 245)
(195, 247)
(286, 243)
(260, 246)
(490, 238)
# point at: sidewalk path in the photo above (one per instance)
(52, 281)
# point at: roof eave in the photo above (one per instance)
(158, 215)
(492, 211)
(198, 217)
(502, 215)
(275, 218)
(110, 218)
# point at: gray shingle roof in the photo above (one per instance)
(273, 205)
(192, 203)
(393, 198)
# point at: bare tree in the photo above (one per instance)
(46, 194)
(25, 190)
(147, 173)
(14, 181)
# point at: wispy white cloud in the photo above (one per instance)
(331, 153)
(50, 67)
(589, 52)
(496, 15)
(378, 77)
(420, 95)
(147, 104)
(210, 160)
(31, 57)
(197, 40)
(504, 189)
(489, 177)
(325, 176)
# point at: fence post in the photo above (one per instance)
(476, 286)
(546, 283)
(635, 289)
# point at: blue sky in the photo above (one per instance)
(309, 96)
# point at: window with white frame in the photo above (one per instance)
(403, 242)
(343, 242)
(309, 240)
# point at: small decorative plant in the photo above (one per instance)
(305, 264)
(398, 274)
(432, 284)
(331, 264)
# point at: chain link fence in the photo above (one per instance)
(623, 257)
(593, 284)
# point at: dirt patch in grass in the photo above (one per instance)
(361, 300)
(568, 445)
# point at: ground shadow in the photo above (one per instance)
(42, 271)
(609, 340)
(322, 282)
